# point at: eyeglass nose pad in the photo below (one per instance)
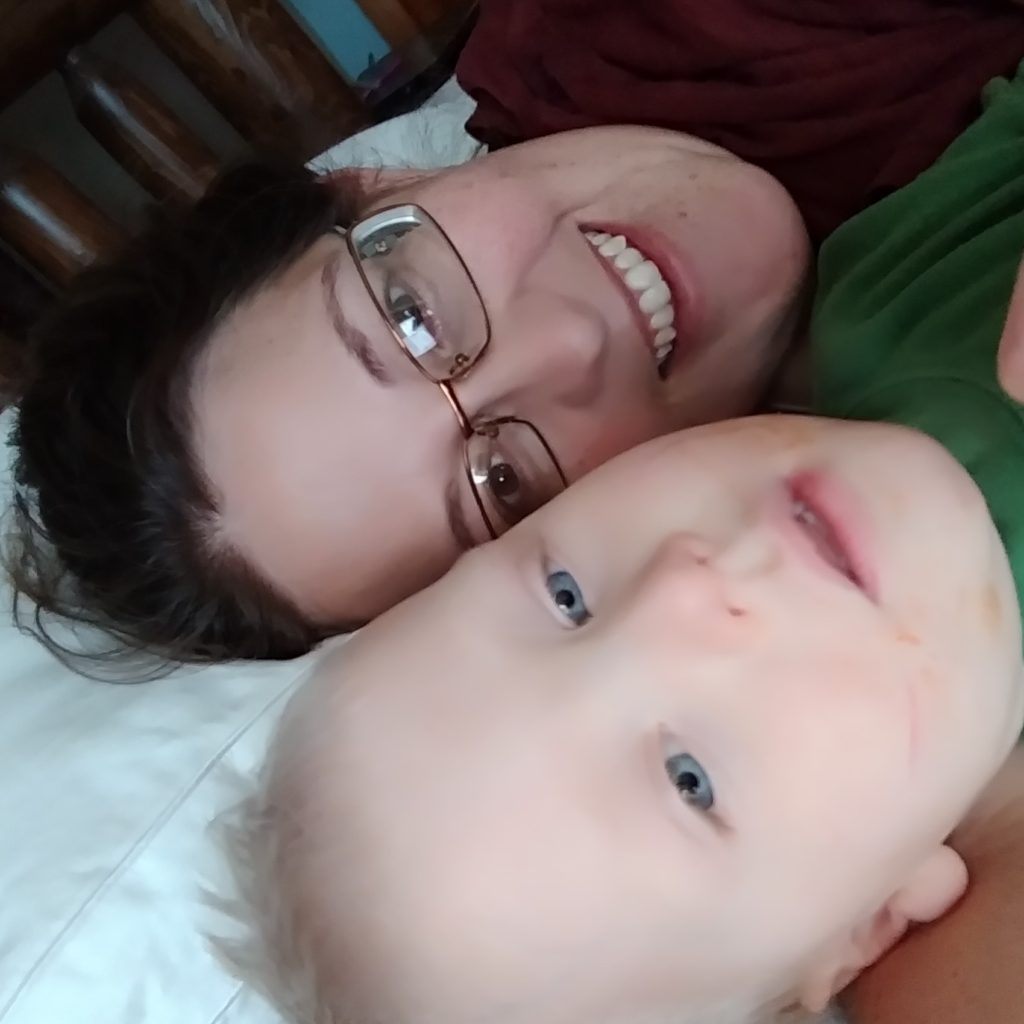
(460, 414)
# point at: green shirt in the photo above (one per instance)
(912, 299)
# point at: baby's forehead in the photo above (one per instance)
(310, 716)
(342, 708)
(346, 668)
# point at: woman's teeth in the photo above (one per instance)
(644, 279)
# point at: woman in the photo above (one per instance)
(279, 416)
(265, 493)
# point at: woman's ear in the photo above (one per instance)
(1011, 344)
(931, 890)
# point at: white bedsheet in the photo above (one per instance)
(105, 795)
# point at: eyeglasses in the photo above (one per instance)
(434, 310)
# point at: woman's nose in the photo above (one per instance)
(534, 364)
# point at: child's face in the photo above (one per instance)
(797, 664)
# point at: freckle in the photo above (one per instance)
(991, 607)
(898, 500)
(905, 636)
(737, 613)
(787, 431)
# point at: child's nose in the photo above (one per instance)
(681, 585)
(698, 586)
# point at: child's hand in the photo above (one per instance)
(1011, 344)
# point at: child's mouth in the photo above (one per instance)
(824, 539)
(813, 508)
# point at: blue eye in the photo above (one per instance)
(568, 597)
(687, 774)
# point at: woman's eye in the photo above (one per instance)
(687, 774)
(568, 597)
(415, 321)
(511, 482)
(504, 481)
(512, 489)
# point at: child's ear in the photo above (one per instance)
(933, 888)
(1011, 344)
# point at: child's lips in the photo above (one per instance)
(824, 526)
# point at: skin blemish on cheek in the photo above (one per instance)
(898, 501)
(923, 689)
(777, 432)
(990, 608)
(914, 718)
(791, 431)
(907, 636)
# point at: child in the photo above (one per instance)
(684, 745)
(790, 661)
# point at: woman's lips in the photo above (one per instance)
(825, 525)
(680, 278)
(671, 265)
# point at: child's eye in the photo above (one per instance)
(568, 597)
(687, 774)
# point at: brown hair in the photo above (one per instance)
(114, 522)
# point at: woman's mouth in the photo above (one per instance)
(651, 296)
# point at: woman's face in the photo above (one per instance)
(338, 467)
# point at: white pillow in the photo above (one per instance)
(430, 137)
(106, 792)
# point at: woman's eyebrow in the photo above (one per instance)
(356, 343)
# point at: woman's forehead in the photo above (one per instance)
(324, 479)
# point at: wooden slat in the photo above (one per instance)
(402, 22)
(429, 12)
(23, 297)
(10, 368)
(256, 65)
(47, 221)
(35, 33)
(22, 301)
(144, 135)
(393, 20)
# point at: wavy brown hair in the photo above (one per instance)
(114, 524)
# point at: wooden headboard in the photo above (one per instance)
(250, 59)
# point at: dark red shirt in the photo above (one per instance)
(842, 100)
